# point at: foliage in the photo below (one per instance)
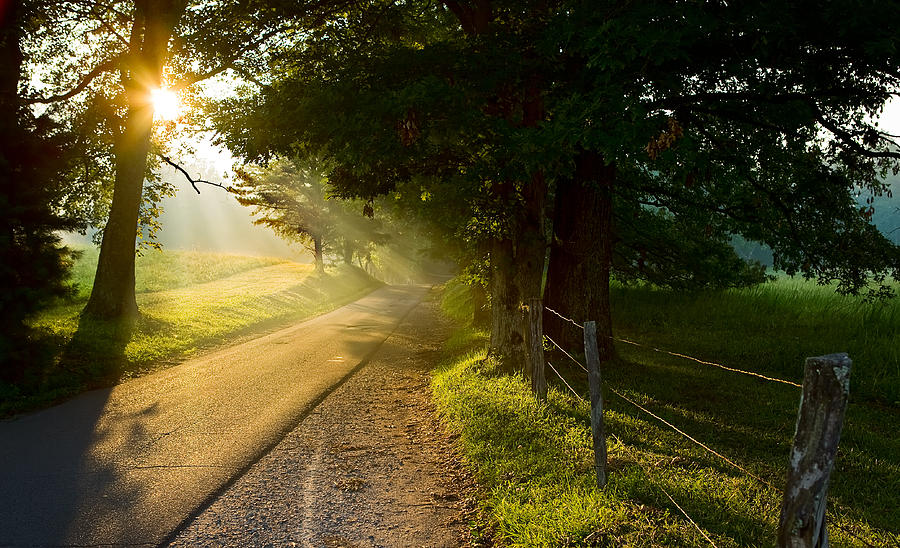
(35, 155)
(96, 66)
(534, 461)
(678, 252)
(33, 265)
(710, 111)
(292, 199)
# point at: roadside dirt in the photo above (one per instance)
(370, 466)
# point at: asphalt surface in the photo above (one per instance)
(370, 467)
(131, 464)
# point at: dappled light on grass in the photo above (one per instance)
(188, 301)
(535, 461)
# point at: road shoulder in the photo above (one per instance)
(370, 466)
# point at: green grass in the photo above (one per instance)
(771, 329)
(189, 301)
(170, 269)
(534, 461)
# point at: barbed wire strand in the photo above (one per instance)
(698, 360)
(702, 532)
(704, 362)
(563, 379)
(834, 516)
(680, 509)
(563, 318)
(696, 441)
(676, 354)
(563, 350)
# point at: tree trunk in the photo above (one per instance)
(11, 19)
(481, 315)
(347, 250)
(112, 295)
(317, 253)
(580, 257)
(507, 330)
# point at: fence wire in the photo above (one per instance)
(661, 488)
(833, 517)
(670, 353)
(695, 440)
(563, 350)
(565, 382)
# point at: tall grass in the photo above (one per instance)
(770, 328)
(534, 460)
(162, 270)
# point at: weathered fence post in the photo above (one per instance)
(592, 354)
(536, 348)
(826, 384)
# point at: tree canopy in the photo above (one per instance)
(702, 120)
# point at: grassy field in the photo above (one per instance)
(771, 328)
(535, 463)
(189, 301)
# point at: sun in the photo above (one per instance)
(165, 104)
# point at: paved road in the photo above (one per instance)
(128, 465)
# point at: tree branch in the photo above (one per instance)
(105, 66)
(227, 63)
(190, 179)
(845, 138)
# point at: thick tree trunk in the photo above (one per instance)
(317, 253)
(112, 295)
(507, 329)
(578, 274)
(11, 60)
(481, 315)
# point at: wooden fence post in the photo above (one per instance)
(536, 348)
(826, 384)
(592, 354)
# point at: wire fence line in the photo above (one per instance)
(563, 350)
(646, 470)
(675, 354)
(694, 440)
(565, 382)
(675, 428)
(833, 516)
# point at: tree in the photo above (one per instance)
(689, 120)
(292, 201)
(130, 49)
(33, 162)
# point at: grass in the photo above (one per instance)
(189, 301)
(535, 464)
(771, 329)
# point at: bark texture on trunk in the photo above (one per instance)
(317, 253)
(507, 329)
(581, 254)
(112, 295)
(481, 315)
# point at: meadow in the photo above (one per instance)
(534, 461)
(190, 301)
